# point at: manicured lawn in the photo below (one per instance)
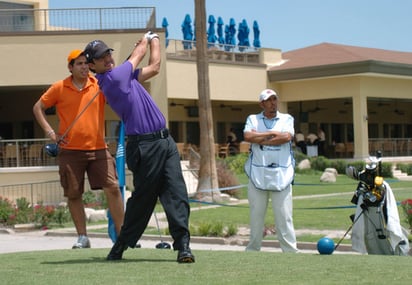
(316, 206)
(153, 266)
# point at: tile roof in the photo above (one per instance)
(328, 54)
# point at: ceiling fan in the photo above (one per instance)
(399, 112)
(382, 104)
(231, 107)
(316, 109)
(173, 104)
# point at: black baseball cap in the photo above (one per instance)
(95, 49)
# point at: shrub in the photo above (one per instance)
(216, 229)
(359, 165)
(319, 163)
(95, 199)
(88, 197)
(386, 170)
(204, 229)
(307, 171)
(226, 178)
(6, 210)
(299, 156)
(231, 230)
(237, 162)
(43, 215)
(405, 167)
(402, 167)
(339, 165)
(23, 212)
(61, 215)
(407, 209)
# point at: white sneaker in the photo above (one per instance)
(82, 242)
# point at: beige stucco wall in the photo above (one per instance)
(41, 57)
(370, 85)
(37, 60)
(227, 81)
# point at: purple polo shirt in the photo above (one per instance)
(130, 100)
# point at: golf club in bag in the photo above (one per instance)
(52, 149)
(162, 244)
(375, 226)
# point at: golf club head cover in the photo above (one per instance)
(352, 172)
(52, 149)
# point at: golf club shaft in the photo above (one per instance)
(354, 221)
(157, 224)
(343, 236)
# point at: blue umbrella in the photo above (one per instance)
(246, 32)
(220, 38)
(232, 32)
(227, 38)
(240, 35)
(187, 32)
(256, 33)
(243, 35)
(164, 25)
(211, 34)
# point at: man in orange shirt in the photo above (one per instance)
(80, 108)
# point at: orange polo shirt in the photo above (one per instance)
(87, 132)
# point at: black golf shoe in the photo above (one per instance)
(185, 255)
(116, 253)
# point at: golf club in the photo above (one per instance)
(353, 222)
(162, 244)
(52, 149)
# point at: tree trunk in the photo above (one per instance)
(207, 168)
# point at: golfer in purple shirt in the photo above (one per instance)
(151, 153)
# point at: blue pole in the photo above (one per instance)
(120, 168)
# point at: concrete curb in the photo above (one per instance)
(210, 240)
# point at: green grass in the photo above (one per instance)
(321, 206)
(329, 209)
(152, 266)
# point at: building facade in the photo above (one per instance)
(360, 97)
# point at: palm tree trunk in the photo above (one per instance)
(207, 169)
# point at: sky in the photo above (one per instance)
(290, 24)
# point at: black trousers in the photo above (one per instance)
(157, 173)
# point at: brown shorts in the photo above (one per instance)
(98, 164)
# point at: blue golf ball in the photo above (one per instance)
(326, 245)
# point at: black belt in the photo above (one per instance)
(161, 134)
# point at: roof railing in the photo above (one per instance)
(35, 20)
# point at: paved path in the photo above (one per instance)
(11, 241)
(17, 241)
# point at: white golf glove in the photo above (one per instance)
(150, 35)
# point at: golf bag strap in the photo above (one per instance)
(78, 116)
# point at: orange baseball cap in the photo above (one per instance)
(74, 54)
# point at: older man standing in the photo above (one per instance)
(270, 169)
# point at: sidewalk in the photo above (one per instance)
(33, 240)
(12, 241)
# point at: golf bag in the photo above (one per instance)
(376, 225)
